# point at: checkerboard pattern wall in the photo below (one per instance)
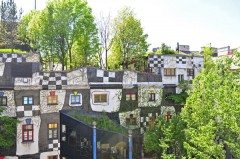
(106, 76)
(155, 61)
(53, 80)
(181, 59)
(28, 111)
(12, 58)
(145, 121)
(54, 145)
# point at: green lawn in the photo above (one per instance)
(10, 51)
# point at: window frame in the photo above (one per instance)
(49, 157)
(169, 71)
(28, 97)
(1, 100)
(52, 130)
(77, 103)
(131, 97)
(190, 72)
(28, 131)
(100, 93)
(151, 96)
(180, 77)
(52, 103)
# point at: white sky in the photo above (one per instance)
(191, 22)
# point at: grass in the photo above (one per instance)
(103, 122)
(10, 51)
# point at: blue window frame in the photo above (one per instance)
(27, 100)
(75, 99)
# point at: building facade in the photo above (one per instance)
(35, 97)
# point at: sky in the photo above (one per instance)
(195, 23)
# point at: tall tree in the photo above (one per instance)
(130, 39)
(66, 30)
(103, 25)
(212, 112)
(8, 23)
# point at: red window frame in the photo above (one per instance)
(27, 132)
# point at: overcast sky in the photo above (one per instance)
(191, 22)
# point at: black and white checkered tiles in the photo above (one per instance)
(12, 58)
(106, 76)
(53, 80)
(181, 59)
(145, 121)
(155, 61)
(28, 110)
(54, 145)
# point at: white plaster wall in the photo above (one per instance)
(24, 148)
(129, 78)
(124, 115)
(165, 109)
(33, 57)
(143, 99)
(78, 77)
(2, 66)
(10, 109)
(23, 81)
(169, 61)
(45, 155)
(10, 157)
(32, 83)
(114, 98)
(44, 107)
(169, 79)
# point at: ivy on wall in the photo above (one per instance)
(7, 131)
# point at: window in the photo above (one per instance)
(131, 120)
(75, 99)
(100, 98)
(64, 129)
(169, 71)
(131, 96)
(52, 100)
(27, 132)
(151, 96)
(53, 157)
(28, 100)
(190, 72)
(3, 101)
(180, 78)
(52, 131)
(168, 116)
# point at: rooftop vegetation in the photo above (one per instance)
(103, 122)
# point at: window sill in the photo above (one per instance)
(27, 142)
(53, 104)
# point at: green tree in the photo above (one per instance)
(166, 139)
(8, 127)
(65, 31)
(129, 39)
(8, 23)
(212, 112)
(164, 49)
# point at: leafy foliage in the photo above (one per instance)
(8, 24)
(7, 131)
(167, 138)
(129, 39)
(179, 98)
(212, 112)
(64, 31)
(164, 49)
(103, 122)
